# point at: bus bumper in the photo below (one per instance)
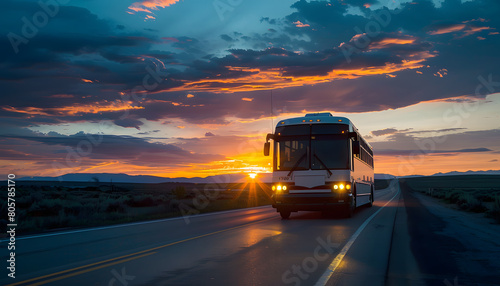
(310, 202)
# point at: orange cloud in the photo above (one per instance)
(474, 30)
(74, 110)
(300, 24)
(174, 103)
(449, 29)
(465, 28)
(265, 79)
(441, 73)
(148, 5)
(62, 96)
(247, 99)
(392, 41)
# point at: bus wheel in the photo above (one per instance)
(285, 214)
(351, 207)
(370, 204)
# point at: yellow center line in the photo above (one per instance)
(88, 270)
(124, 256)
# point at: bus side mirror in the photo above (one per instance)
(353, 135)
(355, 147)
(267, 146)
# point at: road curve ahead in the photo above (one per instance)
(241, 247)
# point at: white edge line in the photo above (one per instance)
(128, 224)
(336, 262)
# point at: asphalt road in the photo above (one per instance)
(241, 247)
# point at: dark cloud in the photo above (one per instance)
(268, 20)
(227, 38)
(149, 132)
(435, 131)
(464, 142)
(209, 134)
(384, 131)
(89, 148)
(389, 131)
(129, 122)
(400, 152)
(57, 59)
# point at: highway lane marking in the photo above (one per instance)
(121, 257)
(336, 261)
(76, 268)
(88, 270)
(129, 224)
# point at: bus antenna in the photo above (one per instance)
(272, 112)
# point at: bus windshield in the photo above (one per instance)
(315, 146)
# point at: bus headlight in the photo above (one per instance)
(341, 186)
(279, 188)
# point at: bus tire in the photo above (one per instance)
(285, 214)
(370, 204)
(351, 207)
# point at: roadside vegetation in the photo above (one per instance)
(49, 206)
(381, 184)
(472, 193)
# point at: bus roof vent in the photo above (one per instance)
(319, 114)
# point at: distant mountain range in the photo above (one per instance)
(124, 178)
(231, 178)
(456, 173)
(384, 176)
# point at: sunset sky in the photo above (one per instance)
(183, 88)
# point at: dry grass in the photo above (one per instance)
(472, 200)
(45, 208)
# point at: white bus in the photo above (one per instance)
(320, 163)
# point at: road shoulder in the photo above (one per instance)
(451, 247)
(402, 267)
